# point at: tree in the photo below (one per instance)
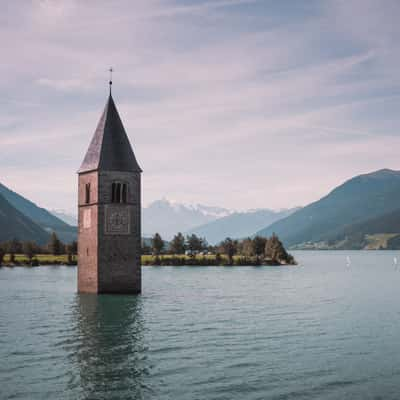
(229, 247)
(258, 244)
(71, 250)
(74, 247)
(13, 247)
(194, 243)
(178, 244)
(55, 246)
(157, 244)
(204, 244)
(29, 250)
(2, 254)
(246, 247)
(275, 251)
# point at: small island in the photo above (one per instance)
(180, 251)
(194, 250)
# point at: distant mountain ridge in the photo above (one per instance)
(211, 211)
(169, 218)
(239, 224)
(68, 218)
(357, 200)
(14, 224)
(363, 212)
(40, 216)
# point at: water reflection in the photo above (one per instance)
(111, 353)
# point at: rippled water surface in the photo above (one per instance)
(327, 329)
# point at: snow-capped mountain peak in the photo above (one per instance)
(169, 217)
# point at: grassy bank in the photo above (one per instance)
(41, 259)
(165, 259)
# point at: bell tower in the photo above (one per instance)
(109, 205)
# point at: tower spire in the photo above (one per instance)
(110, 82)
(110, 149)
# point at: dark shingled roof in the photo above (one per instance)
(110, 149)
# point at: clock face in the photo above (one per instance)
(117, 220)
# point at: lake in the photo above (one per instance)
(328, 328)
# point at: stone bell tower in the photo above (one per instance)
(109, 203)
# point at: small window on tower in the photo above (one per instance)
(113, 192)
(123, 197)
(87, 193)
(119, 192)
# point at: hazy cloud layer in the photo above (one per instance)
(240, 103)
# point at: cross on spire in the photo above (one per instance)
(110, 82)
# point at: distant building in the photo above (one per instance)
(109, 203)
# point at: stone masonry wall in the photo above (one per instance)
(119, 253)
(87, 234)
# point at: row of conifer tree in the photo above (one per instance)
(258, 248)
(30, 249)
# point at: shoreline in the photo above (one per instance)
(170, 260)
(12, 266)
(149, 260)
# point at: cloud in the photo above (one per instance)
(243, 104)
(63, 84)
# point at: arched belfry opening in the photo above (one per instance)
(119, 192)
(109, 238)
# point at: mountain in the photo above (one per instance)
(386, 223)
(14, 224)
(375, 233)
(239, 224)
(359, 199)
(168, 218)
(40, 216)
(68, 218)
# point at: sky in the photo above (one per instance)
(241, 104)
